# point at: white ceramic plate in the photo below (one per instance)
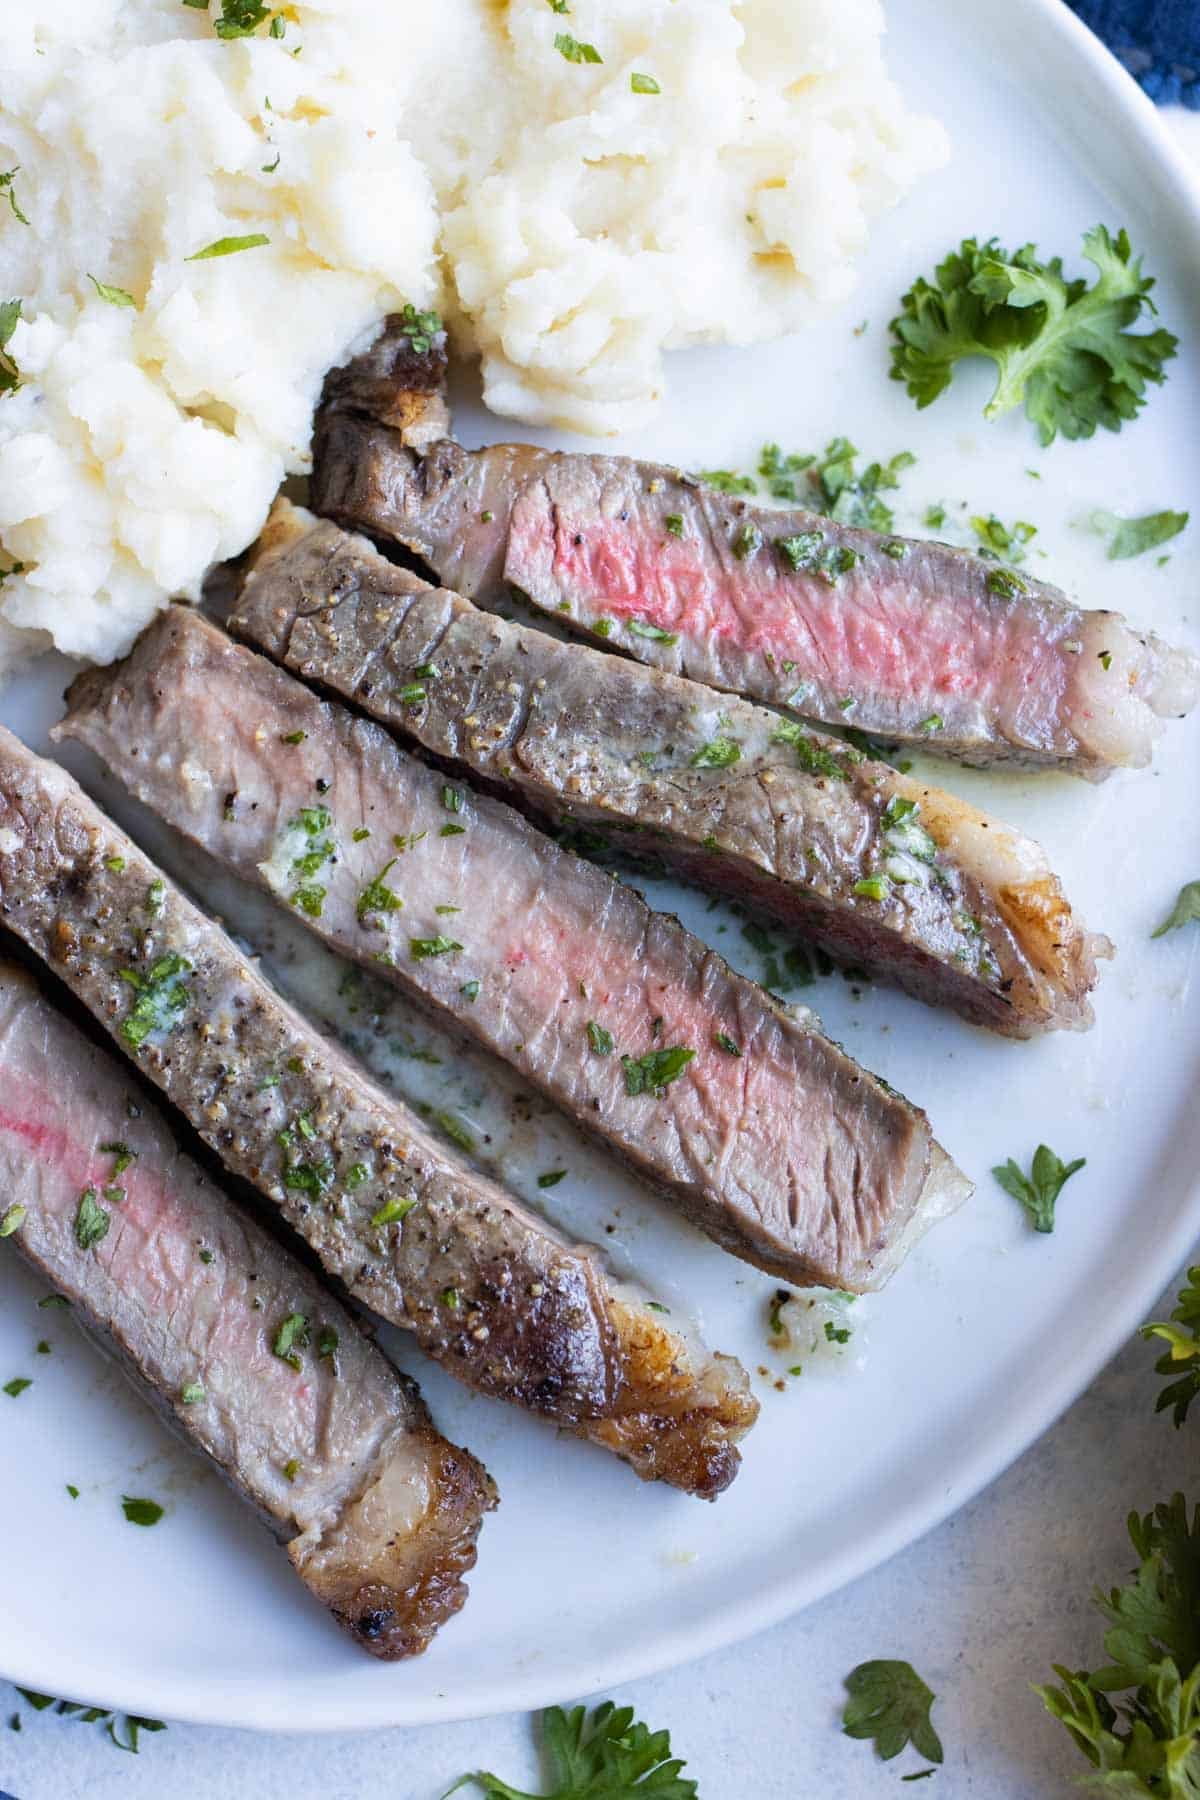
(585, 1578)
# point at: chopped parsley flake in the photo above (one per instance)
(161, 997)
(392, 1211)
(600, 1040)
(377, 897)
(228, 246)
(722, 1041)
(1132, 537)
(644, 84)
(551, 1178)
(13, 1220)
(1185, 911)
(7, 179)
(727, 482)
(719, 753)
(140, 1512)
(16, 1387)
(455, 1130)
(291, 1337)
(422, 328)
(91, 1221)
(116, 296)
(873, 887)
(641, 629)
(192, 1394)
(10, 375)
(652, 1073)
(674, 524)
(813, 756)
(810, 553)
(434, 946)
(574, 51)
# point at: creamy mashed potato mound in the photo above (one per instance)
(445, 153)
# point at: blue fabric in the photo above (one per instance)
(1157, 40)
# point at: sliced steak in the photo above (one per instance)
(912, 640)
(400, 379)
(332, 1448)
(767, 1134)
(895, 876)
(488, 1289)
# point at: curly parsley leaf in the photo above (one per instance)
(1181, 1359)
(1186, 910)
(1062, 349)
(607, 1755)
(891, 1704)
(1147, 1743)
(1039, 1190)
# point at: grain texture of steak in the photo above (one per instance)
(331, 1447)
(766, 1134)
(489, 1290)
(397, 380)
(898, 877)
(914, 641)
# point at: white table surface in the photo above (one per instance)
(981, 1607)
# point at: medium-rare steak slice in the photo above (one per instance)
(489, 1290)
(900, 878)
(767, 1134)
(236, 1343)
(912, 640)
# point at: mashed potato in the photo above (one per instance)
(572, 221)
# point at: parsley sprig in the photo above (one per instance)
(1039, 1190)
(1181, 1359)
(1147, 1742)
(1062, 349)
(607, 1755)
(890, 1704)
(122, 1729)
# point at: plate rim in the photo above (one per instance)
(1025, 1421)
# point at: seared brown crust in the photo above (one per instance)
(392, 381)
(418, 1581)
